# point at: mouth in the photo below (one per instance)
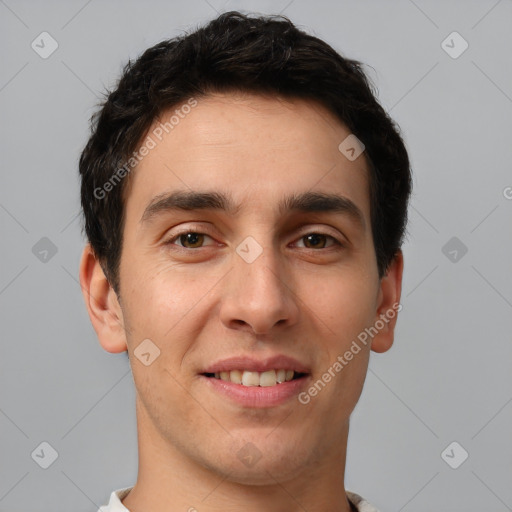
(257, 382)
(249, 378)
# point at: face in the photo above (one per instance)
(275, 268)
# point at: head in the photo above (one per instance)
(224, 218)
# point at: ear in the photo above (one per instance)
(102, 303)
(388, 305)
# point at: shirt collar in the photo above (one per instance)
(115, 504)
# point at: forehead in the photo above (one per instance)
(256, 148)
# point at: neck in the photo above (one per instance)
(170, 481)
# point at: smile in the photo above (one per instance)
(249, 378)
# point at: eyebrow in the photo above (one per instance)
(305, 202)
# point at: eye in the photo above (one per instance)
(317, 240)
(188, 239)
(195, 240)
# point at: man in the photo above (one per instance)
(245, 200)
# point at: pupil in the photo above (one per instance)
(314, 237)
(191, 238)
(195, 238)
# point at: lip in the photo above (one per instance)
(257, 397)
(277, 362)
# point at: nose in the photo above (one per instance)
(260, 294)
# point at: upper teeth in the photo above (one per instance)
(246, 378)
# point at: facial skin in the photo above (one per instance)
(199, 302)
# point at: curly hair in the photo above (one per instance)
(255, 54)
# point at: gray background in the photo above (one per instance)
(448, 377)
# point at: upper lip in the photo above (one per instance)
(277, 362)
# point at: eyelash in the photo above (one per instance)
(186, 232)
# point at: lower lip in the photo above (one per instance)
(257, 396)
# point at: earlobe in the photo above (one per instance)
(102, 304)
(388, 305)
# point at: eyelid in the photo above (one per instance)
(323, 230)
(307, 231)
(177, 235)
(335, 240)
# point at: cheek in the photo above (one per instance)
(163, 303)
(343, 307)
(149, 306)
(154, 289)
(162, 391)
(345, 304)
(342, 310)
(156, 307)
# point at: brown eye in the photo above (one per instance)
(194, 239)
(317, 240)
(188, 240)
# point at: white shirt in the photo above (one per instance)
(115, 505)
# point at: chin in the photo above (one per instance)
(262, 474)
(261, 462)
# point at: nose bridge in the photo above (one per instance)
(258, 294)
(258, 265)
